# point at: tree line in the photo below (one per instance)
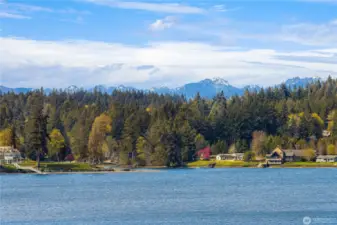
(141, 128)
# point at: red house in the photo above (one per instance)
(205, 153)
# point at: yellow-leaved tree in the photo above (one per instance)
(309, 154)
(56, 144)
(331, 149)
(6, 137)
(99, 130)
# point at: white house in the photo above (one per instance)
(9, 154)
(326, 158)
(234, 156)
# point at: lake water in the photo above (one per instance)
(182, 196)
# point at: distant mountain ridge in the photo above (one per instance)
(207, 88)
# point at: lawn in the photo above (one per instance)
(56, 166)
(205, 163)
(308, 164)
(59, 166)
(28, 163)
(222, 163)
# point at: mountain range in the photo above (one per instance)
(207, 88)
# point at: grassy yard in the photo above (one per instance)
(60, 166)
(75, 167)
(28, 163)
(203, 163)
(308, 164)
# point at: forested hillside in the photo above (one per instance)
(154, 129)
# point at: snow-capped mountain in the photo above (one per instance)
(301, 82)
(252, 88)
(207, 88)
(219, 81)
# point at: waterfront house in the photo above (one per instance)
(234, 156)
(9, 154)
(276, 157)
(326, 158)
(205, 153)
(279, 156)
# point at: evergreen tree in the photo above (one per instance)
(36, 128)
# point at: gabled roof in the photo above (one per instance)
(276, 151)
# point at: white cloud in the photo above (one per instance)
(34, 63)
(12, 16)
(311, 34)
(162, 24)
(220, 8)
(25, 11)
(29, 8)
(154, 7)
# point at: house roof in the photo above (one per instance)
(295, 152)
(288, 153)
(277, 151)
(326, 156)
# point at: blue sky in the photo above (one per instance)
(148, 43)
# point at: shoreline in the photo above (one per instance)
(157, 170)
(275, 167)
(83, 172)
(65, 169)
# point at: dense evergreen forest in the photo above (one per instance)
(151, 129)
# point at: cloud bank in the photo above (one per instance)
(34, 63)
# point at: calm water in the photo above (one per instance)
(186, 196)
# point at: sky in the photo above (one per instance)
(154, 43)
